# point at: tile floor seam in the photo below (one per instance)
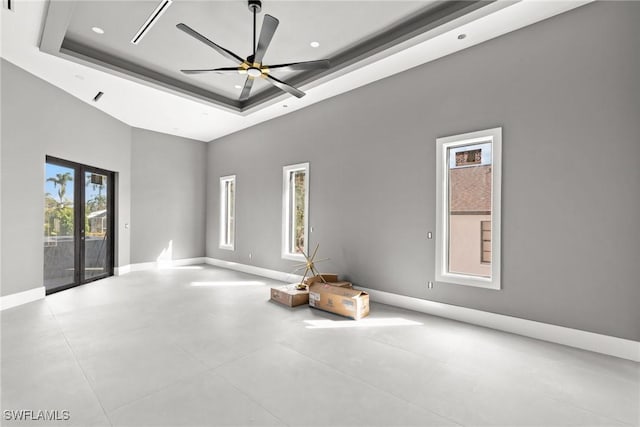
(79, 365)
(241, 357)
(591, 411)
(566, 402)
(154, 391)
(249, 397)
(158, 390)
(422, 356)
(389, 393)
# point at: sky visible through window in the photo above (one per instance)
(52, 170)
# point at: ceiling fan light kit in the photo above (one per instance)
(252, 66)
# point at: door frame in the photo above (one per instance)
(78, 221)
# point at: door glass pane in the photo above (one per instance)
(59, 242)
(96, 223)
(470, 195)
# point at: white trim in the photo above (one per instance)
(442, 274)
(605, 344)
(157, 265)
(252, 269)
(120, 271)
(598, 343)
(224, 212)
(14, 300)
(286, 229)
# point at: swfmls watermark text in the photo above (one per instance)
(36, 415)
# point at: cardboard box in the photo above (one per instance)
(318, 278)
(346, 302)
(291, 296)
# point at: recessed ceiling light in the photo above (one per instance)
(461, 36)
(314, 44)
(284, 105)
(238, 87)
(97, 30)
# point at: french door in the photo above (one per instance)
(78, 224)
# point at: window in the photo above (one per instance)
(468, 209)
(295, 211)
(227, 212)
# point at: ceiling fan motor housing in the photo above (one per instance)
(255, 5)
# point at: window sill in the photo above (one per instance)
(476, 282)
(294, 257)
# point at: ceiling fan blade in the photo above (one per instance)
(322, 64)
(284, 86)
(246, 90)
(269, 25)
(215, 70)
(196, 35)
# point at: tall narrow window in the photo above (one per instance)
(295, 211)
(468, 209)
(227, 212)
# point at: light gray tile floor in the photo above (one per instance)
(201, 346)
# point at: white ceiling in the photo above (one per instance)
(152, 107)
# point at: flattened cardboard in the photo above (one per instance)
(291, 296)
(348, 302)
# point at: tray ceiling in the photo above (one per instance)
(346, 31)
(365, 41)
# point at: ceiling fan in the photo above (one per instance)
(252, 66)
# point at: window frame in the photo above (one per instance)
(286, 211)
(442, 274)
(224, 213)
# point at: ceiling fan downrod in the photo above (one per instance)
(254, 6)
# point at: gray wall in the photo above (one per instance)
(39, 119)
(167, 196)
(566, 92)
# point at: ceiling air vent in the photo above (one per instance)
(151, 20)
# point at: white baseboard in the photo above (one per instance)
(119, 271)
(14, 300)
(157, 265)
(605, 344)
(252, 269)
